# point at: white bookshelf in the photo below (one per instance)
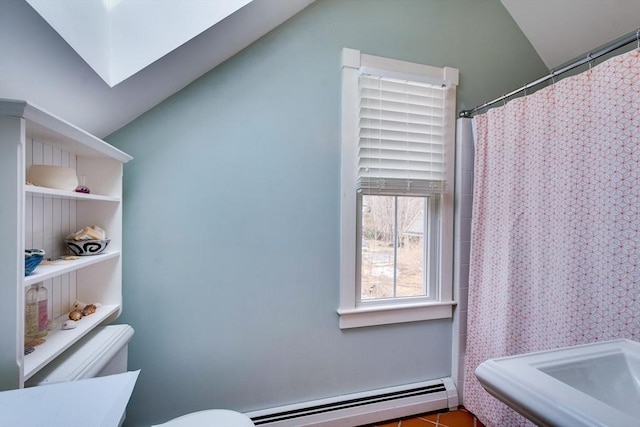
(39, 217)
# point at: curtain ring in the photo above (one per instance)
(589, 60)
(638, 38)
(553, 77)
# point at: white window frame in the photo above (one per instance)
(353, 313)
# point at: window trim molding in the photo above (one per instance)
(395, 312)
(353, 314)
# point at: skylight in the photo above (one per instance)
(110, 4)
(118, 38)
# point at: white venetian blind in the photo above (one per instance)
(401, 144)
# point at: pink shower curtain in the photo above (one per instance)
(555, 255)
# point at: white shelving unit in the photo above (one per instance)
(39, 217)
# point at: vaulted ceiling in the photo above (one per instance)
(79, 60)
(561, 30)
(48, 71)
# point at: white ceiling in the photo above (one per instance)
(38, 65)
(562, 30)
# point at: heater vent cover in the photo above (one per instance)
(361, 408)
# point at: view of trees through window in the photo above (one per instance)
(393, 250)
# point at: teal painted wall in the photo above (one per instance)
(232, 209)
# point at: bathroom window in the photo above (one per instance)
(398, 121)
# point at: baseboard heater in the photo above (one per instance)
(363, 408)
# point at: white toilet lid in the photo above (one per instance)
(211, 418)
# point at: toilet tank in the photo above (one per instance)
(103, 351)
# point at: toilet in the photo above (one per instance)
(210, 418)
(101, 352)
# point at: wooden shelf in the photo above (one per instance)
(58, 340)
(34, 189)
(58, 267)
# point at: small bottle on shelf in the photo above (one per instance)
(31, 313)
(43, 314)
(36, 312)
(82, 188)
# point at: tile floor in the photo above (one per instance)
(459, 418)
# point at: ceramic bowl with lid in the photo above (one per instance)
(87, 247)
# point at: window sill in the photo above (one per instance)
(372, 315)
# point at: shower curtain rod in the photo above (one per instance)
(590, 57)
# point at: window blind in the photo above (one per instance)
(401, 143)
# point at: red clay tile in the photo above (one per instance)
(456, 419)
(417, 422)
(429, 417)
(459, 418)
